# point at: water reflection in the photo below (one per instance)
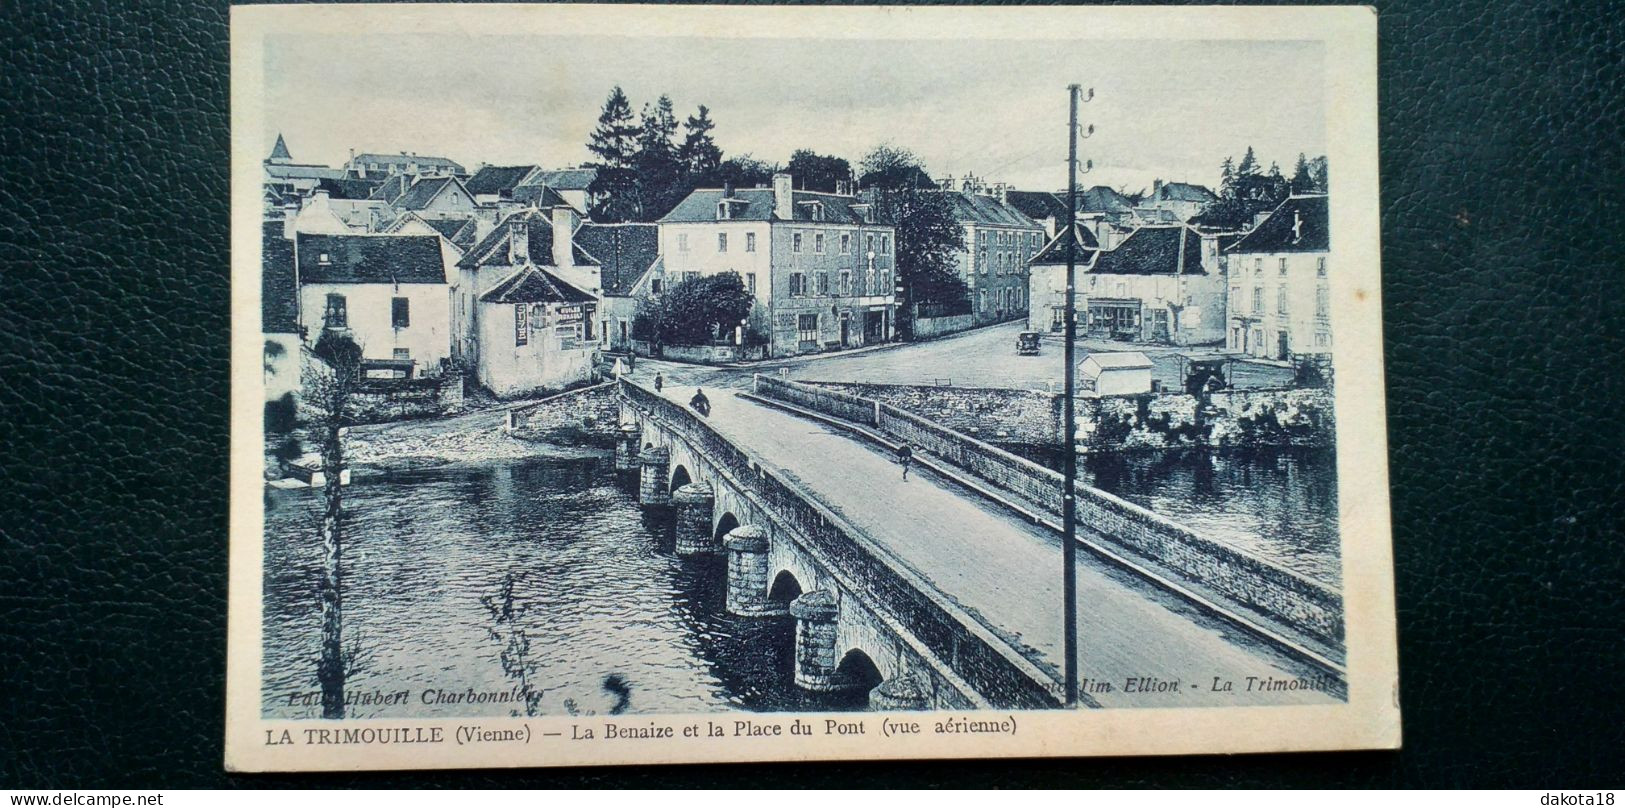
(532, 587)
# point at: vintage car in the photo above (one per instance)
(1027, 343)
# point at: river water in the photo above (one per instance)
(614, 620)
(1277, 503)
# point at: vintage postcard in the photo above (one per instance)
(644, 384)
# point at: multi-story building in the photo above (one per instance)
(999, 241)
(821, 268)
(391, 294)
(373, 166)
(1182, 200)
(1162, 284)
(1279, 288)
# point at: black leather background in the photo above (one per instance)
(1502, 181)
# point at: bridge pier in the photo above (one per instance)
(626, 447)
(694, 503)
(902, 692)
(815, 614)
(655, 462)
(747, 573)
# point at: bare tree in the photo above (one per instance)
(329, 387)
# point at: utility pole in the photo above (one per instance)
(1069, 470)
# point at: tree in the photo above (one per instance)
(1249, 164)
(701, 309)
(699, 153)
(662, 178)
(818, 172)
(615, 143)
(1317, 172)
(1302, 183)
(743, 171)
(329, 389)
(1275, 171)
(1227, 178)
(927, 234)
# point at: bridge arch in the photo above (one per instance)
(725, 524)
(784, 589)
(858, 671)
(680, 477)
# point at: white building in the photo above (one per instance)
(1122, 373)
(1279, 288)
(389, 293)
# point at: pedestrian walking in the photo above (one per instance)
(700, 403)
(905, 456)
(660, 381)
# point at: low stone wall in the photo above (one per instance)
(933, 327)
(704, 354)
(585, 415)
(994, 414)
(1280, 594)
(1298, 417)
(832, 402)
(379, 400)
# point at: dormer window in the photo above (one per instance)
(815, 211)
(324, 258)
(724, 210)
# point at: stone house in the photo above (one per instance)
(1181, 199)
(1162, 284)
(1279, 283)
(1046, 277)
(436, 198)
(390, 293)
(819, 265)
(628, 256)
(999, 242)
(527, 303)
(372, 166)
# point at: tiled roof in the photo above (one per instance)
(756, 205)
(296, 171)
(459, 231)
(540, 196)
(347, 187)
(1101, 199)
(402, 159)
(624, 251)
(392, 188)
(532, 285)
(1153, 250)
(1055, 251)
(370, 259)
(1298, 225)
(1037, 204)
(423, 192)
(987, 210)
(497, 179)
(1182, 192)
(1120, 359)
(493, 249)
(569, 179)
(279, 293)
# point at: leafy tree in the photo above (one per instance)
(1317, 172)
(701, 309)
(699, 152)
(818, 172)
(743, 171)
(615, 143)
(1249, 164)
(928, 237)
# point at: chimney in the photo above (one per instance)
(784, 205)
(518, 240)
(1004, 193)
(564, 235)
(946, 183)
(290, 215)
(728, 189)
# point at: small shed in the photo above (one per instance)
(1117, 374)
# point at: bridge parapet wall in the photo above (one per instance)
(1276, 592)
(996, 668)
(831, 402)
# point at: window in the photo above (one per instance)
(846, 243)
(403, 353)
(338, 314)
(870, 243)
(722, 242)
(823, 283)
(750, 242)
(324, 258)
(807, 327)
(1258, 265)
(1320, 266)
(1283, 267)
(1280, 300)
(1323, 302)
(795, 243)
(818, 243)
(885, 245)
(521, 324)
(654, 285)
(682, 242)
(750, 282)
(400, 312)
(1258, 299)
(798, 284)
(1323, 339)
(846, 283)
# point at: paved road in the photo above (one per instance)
(1007, 571)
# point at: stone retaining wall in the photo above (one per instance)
(587, 414)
